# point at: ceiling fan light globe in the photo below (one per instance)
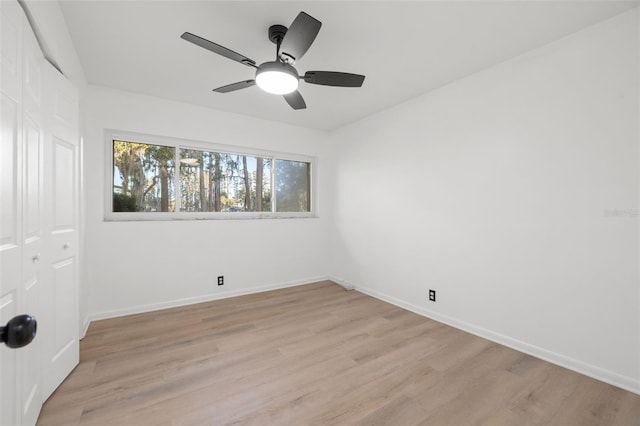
(277, 82)
(277, 78)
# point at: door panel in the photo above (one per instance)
(30, 358)
(65, 321)
(32, 75)
(32, 225)
(10, 171)
(32, 153)
(32, 248)
(9, 385)
(10, 192)
(10, 220)
(11, 42)
(64, 230)
(64, 212)
(62, 346)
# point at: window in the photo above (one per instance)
(292, 188)
(143, 177)
(169, 179)
(218, 182)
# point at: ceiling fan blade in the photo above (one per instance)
(332, 78)
(216, 48)
(295, 100)
(299, 37)
(235, 86)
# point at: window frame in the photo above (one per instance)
(178, 143)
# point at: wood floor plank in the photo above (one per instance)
(316, 354)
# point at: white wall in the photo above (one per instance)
(137, 266)
(498, 191)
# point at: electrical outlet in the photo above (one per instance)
(221, 280)
(432, 295)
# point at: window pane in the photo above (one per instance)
(293, 186)
(262, 185)
(143, 177)
(219, 182)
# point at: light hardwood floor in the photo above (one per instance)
(316, 354)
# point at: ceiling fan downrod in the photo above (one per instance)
(276, 35)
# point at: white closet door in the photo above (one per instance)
(21, 230)
(60, 324)
(10, 201)
(39, 208)
(33, 252)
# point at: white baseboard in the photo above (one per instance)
(139, 309)
(343, 283)
(610, 377)
(85, 327)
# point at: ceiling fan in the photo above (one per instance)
(279, 77)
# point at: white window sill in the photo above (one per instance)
(146, 217)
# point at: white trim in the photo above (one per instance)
(343, 283)
(159, 216)
(610, 377)
(85, 327)
(139, 309)
(109, 216)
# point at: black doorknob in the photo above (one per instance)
(19, 331)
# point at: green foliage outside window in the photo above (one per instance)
(124, 203)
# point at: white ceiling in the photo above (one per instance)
(404, 48)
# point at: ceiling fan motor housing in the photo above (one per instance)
(276, 33)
